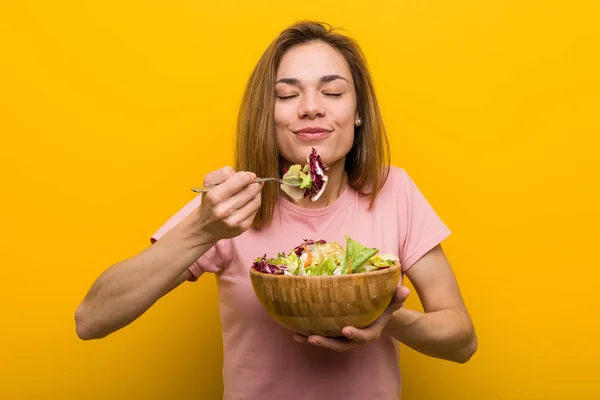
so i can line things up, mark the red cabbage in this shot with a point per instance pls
(314, 161)
(263, 265)
(307, 242)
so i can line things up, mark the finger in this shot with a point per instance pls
(373, 331)
(242, 198)
(400, 297)
(247, 212)
(248, 221)
(397, 303)
(300, 338)
(360, 336)
(230, 188)
(322, 341)
(218, 176)
(335, 344)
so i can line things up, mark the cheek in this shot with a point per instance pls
(345, 118)
(344, 110)
(283, 115)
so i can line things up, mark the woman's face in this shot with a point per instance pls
(315, 104)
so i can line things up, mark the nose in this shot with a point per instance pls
(311, 106)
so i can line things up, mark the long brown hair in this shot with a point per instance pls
(367, 163)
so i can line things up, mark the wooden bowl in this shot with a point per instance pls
(323, 305)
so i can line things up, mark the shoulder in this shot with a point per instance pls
(395, 182)
(399, 189)
(397, 174)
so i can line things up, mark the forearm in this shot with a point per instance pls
(127, 289)
(445, 334)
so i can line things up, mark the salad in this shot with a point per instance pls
(309, 181)
(319, 258)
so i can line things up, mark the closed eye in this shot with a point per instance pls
(295, 95)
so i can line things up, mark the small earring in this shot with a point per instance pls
(358, 122)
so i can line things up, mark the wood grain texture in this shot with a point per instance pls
(323, 305)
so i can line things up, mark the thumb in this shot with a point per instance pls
(399, 298)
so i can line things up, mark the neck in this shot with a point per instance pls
(336, 184)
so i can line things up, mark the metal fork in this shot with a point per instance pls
(208, 187)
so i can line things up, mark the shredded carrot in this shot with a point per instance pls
(309, 258)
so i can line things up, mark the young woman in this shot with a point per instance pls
(310, 90)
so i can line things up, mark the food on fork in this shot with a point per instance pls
(311, 178)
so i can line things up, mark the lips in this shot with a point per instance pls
(313, 133)
(314, 130)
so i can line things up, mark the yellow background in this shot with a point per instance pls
(111, 110)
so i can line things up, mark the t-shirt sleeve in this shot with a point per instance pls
(214, 260)
(421, 229)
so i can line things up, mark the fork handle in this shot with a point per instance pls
(207, 187)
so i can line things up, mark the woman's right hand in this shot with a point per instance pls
(229, 208)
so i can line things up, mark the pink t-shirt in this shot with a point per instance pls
(261, 359)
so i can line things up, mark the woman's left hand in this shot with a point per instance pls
(355, 337)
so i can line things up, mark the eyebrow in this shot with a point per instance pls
(324, 79)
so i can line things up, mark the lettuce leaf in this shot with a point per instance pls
(325, 267)
(295, 175)
(356, 254)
